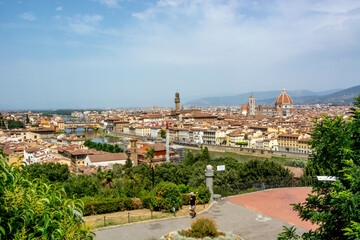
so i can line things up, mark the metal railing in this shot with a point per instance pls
(263, 184)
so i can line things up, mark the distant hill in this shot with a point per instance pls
(335, 96)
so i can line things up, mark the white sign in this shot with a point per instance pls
(327, 178)
(220, 168)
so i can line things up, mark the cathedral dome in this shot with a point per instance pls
(244, 106)
(283, 98)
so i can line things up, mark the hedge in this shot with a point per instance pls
(116, 205)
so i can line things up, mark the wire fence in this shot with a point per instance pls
(263, 184)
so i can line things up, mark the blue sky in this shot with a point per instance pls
(111, 53)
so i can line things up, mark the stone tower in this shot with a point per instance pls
(177, 102)
(251, 105)
(133, 151)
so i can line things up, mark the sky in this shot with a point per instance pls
(131, 53)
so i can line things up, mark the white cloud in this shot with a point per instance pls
(28, 16)
(59, 8)
(84, 24)
(109, 3)
(243, 32)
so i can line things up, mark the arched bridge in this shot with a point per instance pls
(86, 126)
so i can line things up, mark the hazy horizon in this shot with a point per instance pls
(89, 54)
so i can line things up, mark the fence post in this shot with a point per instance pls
(128, 217)
(151, 213)
(104, 221)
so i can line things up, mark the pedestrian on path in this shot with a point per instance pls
(192, 204)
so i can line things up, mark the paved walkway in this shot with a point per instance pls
(276, 203)
(231, 217)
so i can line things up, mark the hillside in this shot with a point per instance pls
(268, 97)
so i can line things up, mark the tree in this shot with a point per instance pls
(165, 195)
(12, 124)
(33, 209)
(205, 155)
(329, 140)
(163, 133)
(54, 172)
(128, 163)
(27, 121)
(334, 206)
(189, 159)
(150, 155)
(242, 144)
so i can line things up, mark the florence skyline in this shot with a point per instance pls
(108, 53)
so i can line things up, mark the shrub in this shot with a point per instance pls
(32, 209)
(165, 196)
(185, 199)
(201, 228)
(202, 194)
(146, 201)
(184, 188)
(115, 205)
(137, 203)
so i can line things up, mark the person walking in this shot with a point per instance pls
(192, 205)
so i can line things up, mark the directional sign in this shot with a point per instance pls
(220, 168)
(327, 178)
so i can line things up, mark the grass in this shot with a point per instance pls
(287, 158)
(118, 218)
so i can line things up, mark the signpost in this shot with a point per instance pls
(220, 169)
(327, 178)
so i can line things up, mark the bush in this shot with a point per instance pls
(201, 228)
(146, 201)
(185, 199)
(165, 196)
(137, 203)
(184, 188)
(99, 207)
(202, 194)
(33, 209)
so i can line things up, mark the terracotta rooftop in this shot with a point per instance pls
(108, 157)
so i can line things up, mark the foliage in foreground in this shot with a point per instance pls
(334, 206)
(32, 209)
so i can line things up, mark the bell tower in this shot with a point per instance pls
(177, 102)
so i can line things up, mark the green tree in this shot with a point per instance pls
(27, 120)
(242, 144)
(330, 139)
(77, 186)
(150, 155)
(163, 133)
(189, 158)
(54, 172)
(128, 163)
(32, 209)
(12, 124)
(205, 155)
(165, 195)
(334, 206)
